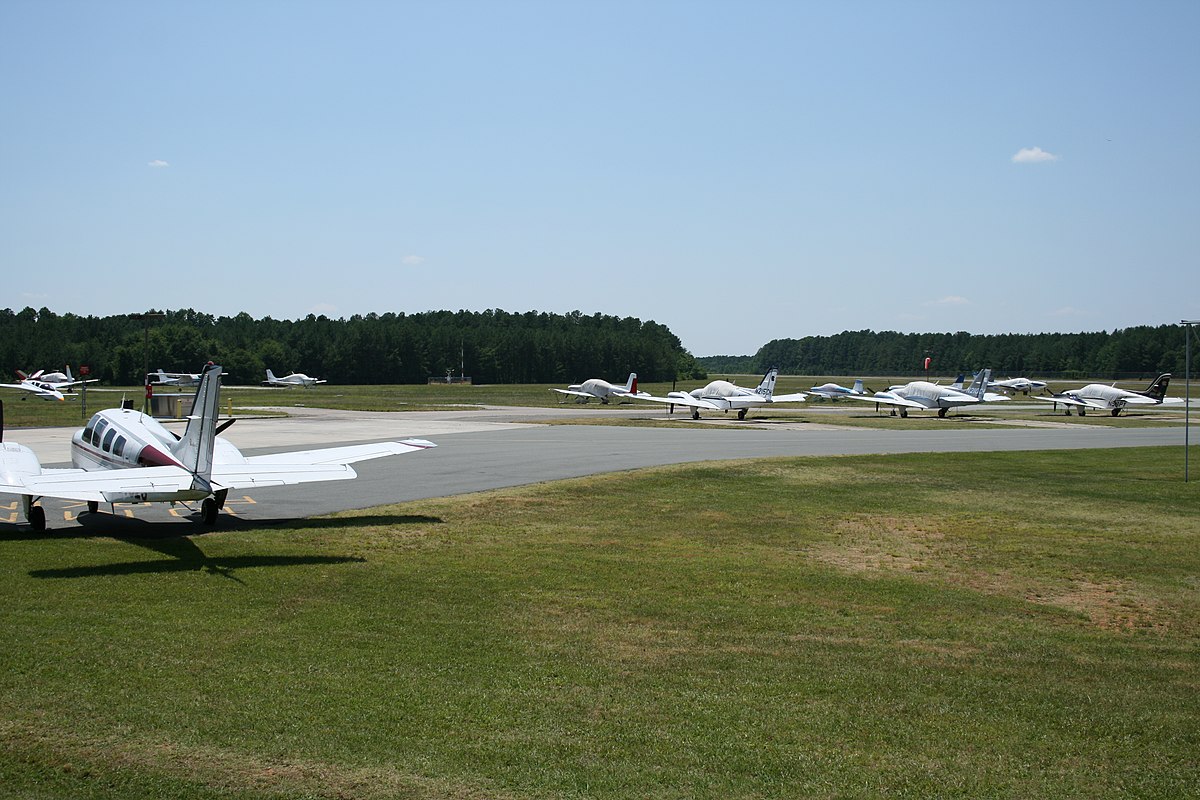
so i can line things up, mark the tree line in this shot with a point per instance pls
(1139, 351)
(491, 346)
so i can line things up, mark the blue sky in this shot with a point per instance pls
(737, 171)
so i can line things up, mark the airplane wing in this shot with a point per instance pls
(574, 394)
(331, 456)
(102, 486)
(890, 399)
(682, 399)
(794, 397)
(37, 391)
(1072, 401)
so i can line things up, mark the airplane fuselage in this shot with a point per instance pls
(117, 438)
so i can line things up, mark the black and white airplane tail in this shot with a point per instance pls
(195, 449)
(767, 387)
(1158, 389)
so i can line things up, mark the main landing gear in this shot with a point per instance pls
(741, 413)
(37, 518)
(942, 412)
(695, 413)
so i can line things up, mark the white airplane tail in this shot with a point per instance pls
(70, 377)
(195, 449)
(767, 387)
(858, 386)
(978, 387)
(631, 384)
(271, 376)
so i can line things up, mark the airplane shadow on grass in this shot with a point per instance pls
(176, 540)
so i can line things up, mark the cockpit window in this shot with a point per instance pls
(119, 446)
(108, 439)
(96, 434)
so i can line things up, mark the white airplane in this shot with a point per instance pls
(46, 385)
(834, 391)
(123, 456)
(597, 388)
(926, 396)
(1099, 397)
(724, 396)
(161, 378)
(295, 379)
(1024, 385)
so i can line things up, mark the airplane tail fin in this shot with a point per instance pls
(70, 377)
(1158, 389)
(858, 386)
(980, 383)
(958, 382)
(195, 449)
(21, 375)
(631, 384)
(271, 376)
(767, 387)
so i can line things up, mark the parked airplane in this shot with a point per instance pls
(926, 396)
(724, 396)
(833, 391)
(1024, 385)
(597, 388)
(295, 379)
(46, 385)
(1099, 397)
(123, 456)
(161, 378)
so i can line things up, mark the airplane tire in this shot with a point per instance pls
(37, 518)
(1116, 411)
(1082, 411)
(741, 413)
(93, 506)
(695, 413)
(942, 413)
(904, 413)
(208, 511)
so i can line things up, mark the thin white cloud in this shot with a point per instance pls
(1033, 155)
(158, 163)
(413, 261)
(950, 300)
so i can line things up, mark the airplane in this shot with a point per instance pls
(724, 396)
(1024, 385)
(295, 379)
(124, 456)
(173, 378)
(47, 385)
(833, 391)
(1099, 397)
(926, 396)
(597, 388)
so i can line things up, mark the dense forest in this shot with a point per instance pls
(489, 347)
(1142, 351)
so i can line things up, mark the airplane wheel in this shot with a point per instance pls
(942, 413)
(741, 413)
(37, 518)
(695, 413)
(1116, 411)
(93, 506)
(904, 413)
(1081, 411)
(208, 511)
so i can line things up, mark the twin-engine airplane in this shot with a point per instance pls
(46, 385)
(1098, 397)
(724, 396)
(926, 396)
(597, 388)
(295, 379)
(835, 391)
(123, 456)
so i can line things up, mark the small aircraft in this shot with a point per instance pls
(926, 396)
(123, 456)
(597, 388)
(47, 385)
(161, 378)
(1099, 397)
(724, 396)
(834, 391)
(1023, 385)
(295, 379)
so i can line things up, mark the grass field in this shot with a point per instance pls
(960, 625)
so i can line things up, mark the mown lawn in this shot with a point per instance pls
(970, 625)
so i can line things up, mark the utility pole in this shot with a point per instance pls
(1187, 391)
(145, 318)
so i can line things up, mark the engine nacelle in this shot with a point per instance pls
(17, 461)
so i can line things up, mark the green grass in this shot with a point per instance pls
(970, 625)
